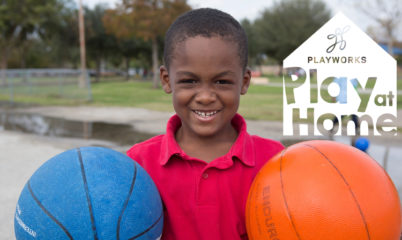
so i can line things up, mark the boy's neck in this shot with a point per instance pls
(206, 148)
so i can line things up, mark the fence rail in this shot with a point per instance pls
(56, 83)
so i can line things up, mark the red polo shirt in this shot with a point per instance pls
(204, 200)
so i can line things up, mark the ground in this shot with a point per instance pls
(22, 153)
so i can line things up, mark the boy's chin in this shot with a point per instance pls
(204, 131)
(208, 132)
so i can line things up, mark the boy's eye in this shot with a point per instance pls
(223, 82)
(188, 81)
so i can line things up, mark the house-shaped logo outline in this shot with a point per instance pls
(358, 57)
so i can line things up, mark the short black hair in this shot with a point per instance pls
(205, 22)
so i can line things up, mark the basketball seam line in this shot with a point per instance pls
(84, 178)
(126, 201)
(148, 229)
(350, 189)
(284, 197)
(47, 212)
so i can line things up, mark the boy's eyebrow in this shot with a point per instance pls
(222, 74)
(186, 73)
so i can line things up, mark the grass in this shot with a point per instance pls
(274, 78)
(42, 89)
(279, 79)
(131, 94)
(260, 103)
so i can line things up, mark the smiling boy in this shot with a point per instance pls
(205, 163)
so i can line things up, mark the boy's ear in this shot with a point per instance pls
(246, 81)
(164, 76)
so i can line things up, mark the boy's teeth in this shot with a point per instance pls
(205, 114)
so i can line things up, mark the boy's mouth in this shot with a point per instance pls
(206, 114)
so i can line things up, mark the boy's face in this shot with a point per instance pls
(206, 80)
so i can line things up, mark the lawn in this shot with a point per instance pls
(279, 79)
(260, 103)
(41, 90)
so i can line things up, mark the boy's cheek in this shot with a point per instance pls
(180, 97)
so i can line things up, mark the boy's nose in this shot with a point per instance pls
(205, 96)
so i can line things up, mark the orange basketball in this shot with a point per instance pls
(323, 190)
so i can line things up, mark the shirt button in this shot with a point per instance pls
(205, 175)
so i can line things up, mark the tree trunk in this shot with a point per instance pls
(127, 60)
(390, 37)
(155, 77)
(281, 70)
(98, 69)
(4, 58)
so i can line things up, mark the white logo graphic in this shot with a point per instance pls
(339, 73)
(22, 224)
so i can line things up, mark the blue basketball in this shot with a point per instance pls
(362, 143)
(89, 193)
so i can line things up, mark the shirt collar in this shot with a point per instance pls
(242, 149)
(169, 145)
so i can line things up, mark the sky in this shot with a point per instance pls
(252, 9)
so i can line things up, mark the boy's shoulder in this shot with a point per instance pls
(151, 145)
(266, 143)
(265, 149)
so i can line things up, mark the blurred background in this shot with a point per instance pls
(85, 73)
(47, 46)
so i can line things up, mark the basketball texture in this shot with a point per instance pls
(318, 190)
(89, 193)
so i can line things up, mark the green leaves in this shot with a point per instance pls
(286, 25)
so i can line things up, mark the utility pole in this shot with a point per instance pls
(82, 78)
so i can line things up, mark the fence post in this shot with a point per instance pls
(88, 80)
(386, 158)
(60, 83)
(28, 77)
(11, 88)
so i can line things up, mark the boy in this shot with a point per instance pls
(205, 163)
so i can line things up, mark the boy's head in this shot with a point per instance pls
(205, 22)
(205, 70)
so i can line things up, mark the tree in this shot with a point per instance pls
(21, 21)
(387, 14)
(282, 28)
(133, 48)
(99, 43)
(254, 48)
(149, 20)
(64, 41)
(118, 23)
